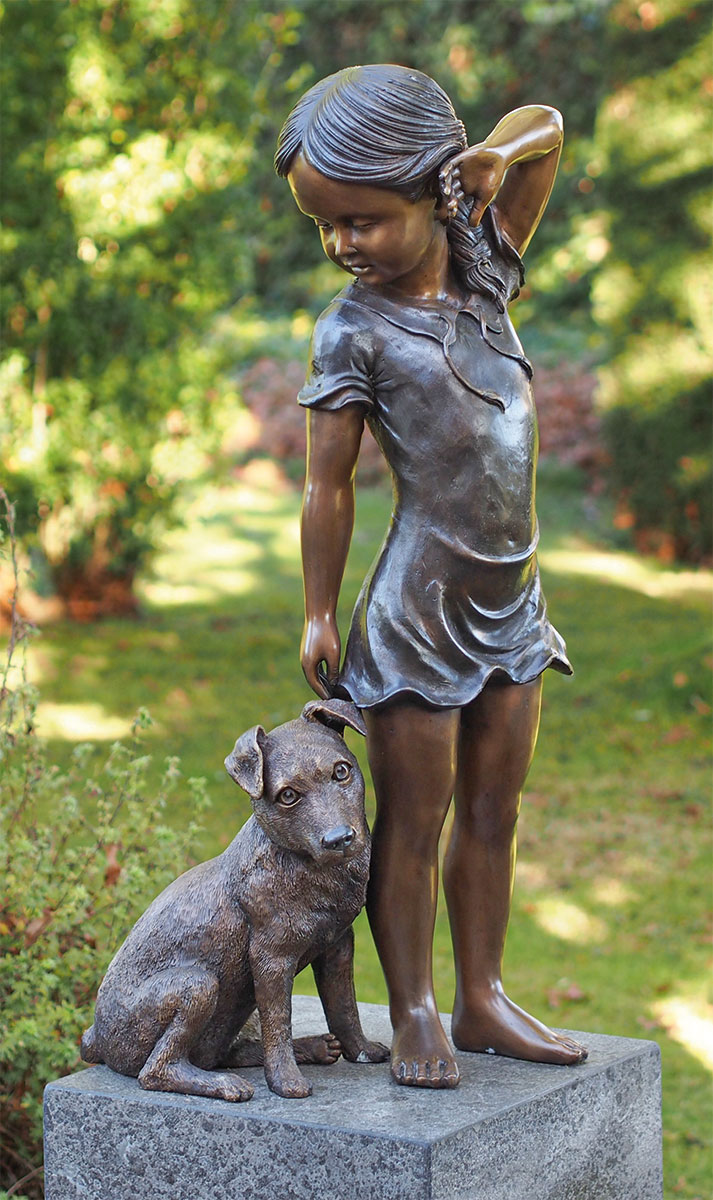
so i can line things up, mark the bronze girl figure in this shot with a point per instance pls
(450, 634)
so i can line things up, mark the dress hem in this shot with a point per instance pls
(557, 662)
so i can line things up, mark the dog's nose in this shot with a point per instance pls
(339, 838)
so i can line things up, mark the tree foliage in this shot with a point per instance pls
(653, 293)
(129, 133)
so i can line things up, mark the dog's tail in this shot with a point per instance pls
(88, 1047)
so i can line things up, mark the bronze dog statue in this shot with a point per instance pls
(230, 935)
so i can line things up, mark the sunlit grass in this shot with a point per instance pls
(627, 570)
(219, 552)
(690, 1023)
(612, 892)
(568, 921)
(87, 722)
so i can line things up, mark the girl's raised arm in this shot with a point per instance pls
(514, 169)
(333, 440)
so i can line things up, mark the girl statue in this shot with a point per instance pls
(450, 635)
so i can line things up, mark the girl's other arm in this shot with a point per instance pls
(514, 168)
(333, 440)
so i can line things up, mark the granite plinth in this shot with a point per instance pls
(511, 1131)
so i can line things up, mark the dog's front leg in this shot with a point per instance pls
(334, 975)
(273, 979)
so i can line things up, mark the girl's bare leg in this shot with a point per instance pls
(412, 755)
(497, 741)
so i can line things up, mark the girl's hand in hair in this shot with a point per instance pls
(516, 163)
(478, 172)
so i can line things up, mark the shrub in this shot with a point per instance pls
(82, 851)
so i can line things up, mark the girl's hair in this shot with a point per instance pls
(392, 127)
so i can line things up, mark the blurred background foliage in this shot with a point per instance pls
(149, 255)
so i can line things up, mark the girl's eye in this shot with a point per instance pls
(288, 796)
(341, 771)
(323, 226)
(363, 226)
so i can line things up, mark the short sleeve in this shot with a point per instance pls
(504, 258)
(340, 363)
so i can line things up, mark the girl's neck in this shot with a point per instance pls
(433, 279)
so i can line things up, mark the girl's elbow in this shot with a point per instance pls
(549, 118)
(556, 120)
(326, 496)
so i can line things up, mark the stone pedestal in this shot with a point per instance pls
(511, 1131)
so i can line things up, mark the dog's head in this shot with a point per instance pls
(305, 785)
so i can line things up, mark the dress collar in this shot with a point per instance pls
(463, 342)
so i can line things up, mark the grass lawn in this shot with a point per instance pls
(609, 930)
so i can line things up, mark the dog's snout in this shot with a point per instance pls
(339, 838)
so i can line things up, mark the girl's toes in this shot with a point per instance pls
(575, 1047)
(448, 1073)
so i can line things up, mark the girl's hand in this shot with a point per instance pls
(320, 644)
(516, 163)
(478, 172)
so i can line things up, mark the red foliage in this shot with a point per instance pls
(270, 390)
(91, 592)
(569, 424)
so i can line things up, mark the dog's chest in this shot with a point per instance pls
(304, 911)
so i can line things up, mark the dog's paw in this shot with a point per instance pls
(183, 1077)
(290, 1084)
(323, 1049)
(369, 1052)
(232, 1087)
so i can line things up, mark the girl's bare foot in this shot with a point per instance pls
(421, 1055)
(490, 1023)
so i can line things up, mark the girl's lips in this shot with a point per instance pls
(357, 268)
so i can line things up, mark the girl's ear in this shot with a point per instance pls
(440, 201)
(441, 209)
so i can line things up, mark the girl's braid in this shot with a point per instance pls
(471, 255)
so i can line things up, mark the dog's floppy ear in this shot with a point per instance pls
(244, 763)
(335, 714)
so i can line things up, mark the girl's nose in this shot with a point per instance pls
(343, 243)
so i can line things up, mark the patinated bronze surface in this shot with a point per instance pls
(228, 937)
(450, 635)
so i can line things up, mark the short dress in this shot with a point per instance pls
(453, 598)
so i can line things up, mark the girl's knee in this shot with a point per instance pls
(407, 837)
(490, 818)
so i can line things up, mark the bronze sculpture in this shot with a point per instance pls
(230, 934)
(450, 634)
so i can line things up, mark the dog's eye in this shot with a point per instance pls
(341, 771)
(288, 796)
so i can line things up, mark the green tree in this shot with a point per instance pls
(653, 293)
(128, 221)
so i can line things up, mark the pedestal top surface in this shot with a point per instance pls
(364, 1099)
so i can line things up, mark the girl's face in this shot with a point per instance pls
(376, 234)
